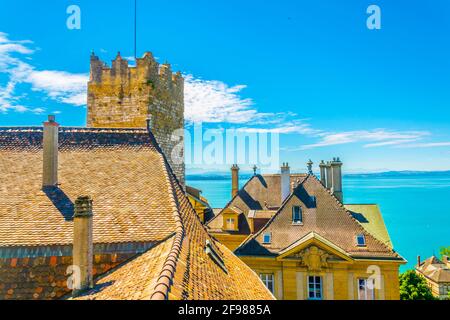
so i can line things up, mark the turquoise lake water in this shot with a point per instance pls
(416, 208)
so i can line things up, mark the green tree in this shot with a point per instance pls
(414, 287)
(445, 251)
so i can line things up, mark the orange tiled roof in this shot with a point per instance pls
(136, 199)
(324, 216)
(119, 168)
(261, 192)
(435, 269)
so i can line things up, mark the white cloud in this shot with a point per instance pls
(61, 86)
(214, 101)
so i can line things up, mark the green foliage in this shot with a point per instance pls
(445, 251)
(414, 287)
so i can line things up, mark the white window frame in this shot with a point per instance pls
(269, 235)
(364, 290)
(363, 237)
(269, 281)
(314, 283)
(300, 215)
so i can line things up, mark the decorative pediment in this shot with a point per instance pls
(314, 252)
(313, 258)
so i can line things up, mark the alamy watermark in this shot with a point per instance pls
(73, 22)
(220, 146)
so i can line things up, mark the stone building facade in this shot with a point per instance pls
(126, 96)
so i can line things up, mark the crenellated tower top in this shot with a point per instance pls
(147, 70)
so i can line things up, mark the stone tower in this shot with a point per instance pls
(124, 96)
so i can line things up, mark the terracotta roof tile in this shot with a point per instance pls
(435, 269)
(261, 192)
(136, 198)
(323, 215)
(120, 169)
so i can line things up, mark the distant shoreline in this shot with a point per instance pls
(387, 174)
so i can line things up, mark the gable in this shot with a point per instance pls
(311, 247)
(324, 215)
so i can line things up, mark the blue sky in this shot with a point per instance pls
(310, 70)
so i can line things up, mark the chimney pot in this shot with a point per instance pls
(50, 152)
(285, 181)
(83, 247)
(336, 179)
(323, 177)
(234, 180)
(309, 164)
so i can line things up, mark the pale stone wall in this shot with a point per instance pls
(124, 96)
(339, 278)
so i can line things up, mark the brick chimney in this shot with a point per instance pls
(323, 175)
(336, 184)
(50, 147)
(285, 181)
(418, 261)
(83, 243)
(234, 180)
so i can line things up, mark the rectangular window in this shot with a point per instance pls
(297, 214)
(315, 287)
(366, 289)
(267, 237)
(267, 279)
(230, 224)
(361, 240)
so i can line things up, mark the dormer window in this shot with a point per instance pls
(214, 255)
(361, 240)
(231, 224)
(297, 217)
(267, 238)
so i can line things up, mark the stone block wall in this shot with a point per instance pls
(124, 96)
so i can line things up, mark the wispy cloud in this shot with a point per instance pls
(380, 137)
(368, 138)
(426, 145)
(295, 126)
(61, 86)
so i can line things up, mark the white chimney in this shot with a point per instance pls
(323, 177)
(285, 181)
(50, 149)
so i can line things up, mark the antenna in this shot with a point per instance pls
(135, 29)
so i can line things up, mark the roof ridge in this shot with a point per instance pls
(75, 128)
(165, 279)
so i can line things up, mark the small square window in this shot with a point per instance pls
(361, 240)
(267, 237)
